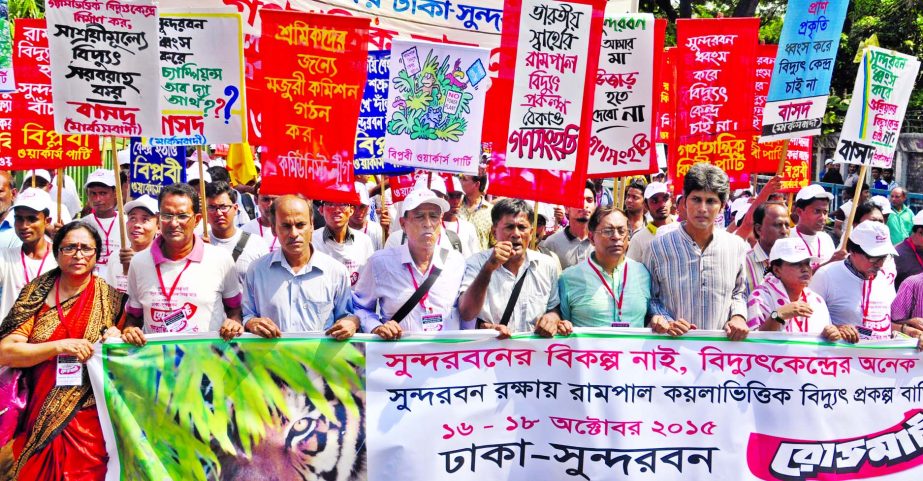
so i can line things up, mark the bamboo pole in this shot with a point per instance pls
(534, 242)
(59, 179)
(855, 204)
(118, 197)
(33, 178)
(202, 194)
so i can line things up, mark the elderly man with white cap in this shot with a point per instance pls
(142, 225)
(412, 287)
(784, 302)
(658, 201)
(854, 292)
(21, 264)
(812, 206)
(448, 238)
(100, 189)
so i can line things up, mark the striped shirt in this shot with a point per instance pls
(909, 301)
(757, 262)
(705, 287)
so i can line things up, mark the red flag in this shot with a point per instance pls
(665, 115)
(797, 172)
(312, 78)
(715, 81)
(35, 144)
(552, 186)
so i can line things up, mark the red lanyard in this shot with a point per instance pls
(618, 302)
(807, 246)
(274, 238)
(417, 286)
(163, 288)
(25, 270)
(866, 297)
(457, 226)
(106, 232)
(914, 250)
(75, 310)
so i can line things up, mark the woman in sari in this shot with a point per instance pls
(49, 333)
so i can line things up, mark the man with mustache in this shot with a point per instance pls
(100, 190)
(21, 264)
(181, 284)
(413, 286)
(572, 244)
(658, 201)
(296, 288)
(511, 288)
(337, 239)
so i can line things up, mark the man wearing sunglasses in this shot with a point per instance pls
(181, 284)
(337, 239)
(854, 291)
(221, 203)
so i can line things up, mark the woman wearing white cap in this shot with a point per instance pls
(855, 292)
(783, 302)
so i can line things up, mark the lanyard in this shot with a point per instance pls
(75, 310)
(106, 232)
(803, 323)
(457, 225)
(618, 302)
(274, 238)
(163, 288)
(25, 270)
(866, 297)
(914, 250)
(413, 277)
(809, 247)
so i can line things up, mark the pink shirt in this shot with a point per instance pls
(770, 296)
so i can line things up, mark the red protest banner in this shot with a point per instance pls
(665, 114)
(312, 78)
(557, 186)
(35, 144)
(766, 155)
(797, 172)
(715, 81)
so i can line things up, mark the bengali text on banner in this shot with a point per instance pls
(155, 166)
(370, 133)
(312, 79)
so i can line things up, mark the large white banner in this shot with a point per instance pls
(202, 94)
(623, 104)
(603, 405)
(879, 99)
(104, 67)
(436, 105)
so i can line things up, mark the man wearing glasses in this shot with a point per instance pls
(348, 246)
(181, 284)
(244, 247)
(854, 292)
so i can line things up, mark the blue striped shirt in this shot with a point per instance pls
(705, 287)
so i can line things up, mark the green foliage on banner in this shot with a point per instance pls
(178, 408)
(27, 8)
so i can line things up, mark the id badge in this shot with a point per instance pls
(432, 323)
(620, 324)
(176, 321)
(70, 371)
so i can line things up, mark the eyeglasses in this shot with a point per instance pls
(610, 232)
(875, 260)
(72, 250)
(182, 218)
(222, 208)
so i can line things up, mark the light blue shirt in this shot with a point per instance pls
(586, 302)
(8, 237)
(308, 301)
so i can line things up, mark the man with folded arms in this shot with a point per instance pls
(511, 288)
(296, 288)
(414, 286)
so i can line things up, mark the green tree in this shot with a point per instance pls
(27, 8)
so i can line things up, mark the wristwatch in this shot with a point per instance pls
(774, 315)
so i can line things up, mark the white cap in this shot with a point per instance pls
(418, 197)
(454, 185)
(918, 218)
(883, 203)
(101, 176)
(739, 208)
(874, 238)
(124, 157)
(192, 173)
(828, 161)
(791, 250)
(546, 211)
(39, 173)
(217, 163)
(655, 188)
(35, 199)
(813, 191)
(145, 202)
(436, 185)
(363, 192)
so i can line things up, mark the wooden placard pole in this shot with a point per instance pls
(855, 204)
(59, 180)
(118, 197)
(781, 169)
(202, 208)
(534, 242)
(33, 178)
